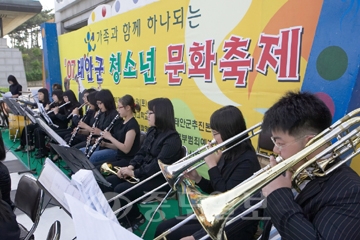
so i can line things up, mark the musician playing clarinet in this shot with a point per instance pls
(162, 142)
(106, 104)
(127, 140)
(226, 170)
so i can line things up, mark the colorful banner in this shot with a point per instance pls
(204, 54)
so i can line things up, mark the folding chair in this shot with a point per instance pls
(29, 198)
(54, 231)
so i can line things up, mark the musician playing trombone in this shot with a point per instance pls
(162, 142)
(225, 172)
(327, 207)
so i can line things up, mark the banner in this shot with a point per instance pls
(205, 54)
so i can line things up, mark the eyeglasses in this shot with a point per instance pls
(149, 113)
(282, 145)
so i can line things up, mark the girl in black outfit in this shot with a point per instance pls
(43, 96)
(162, 142)
(225, 171)
(15, 88)
(85, 123)
(127, 140)
(106, 103)
(57, 96)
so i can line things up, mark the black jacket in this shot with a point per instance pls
(158, 145)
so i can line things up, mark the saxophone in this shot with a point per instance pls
(99, 139)
(78, 127)
(88, 141)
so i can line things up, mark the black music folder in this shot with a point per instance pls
(77, 160)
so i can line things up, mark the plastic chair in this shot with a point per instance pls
(29, 198)
(54, 231)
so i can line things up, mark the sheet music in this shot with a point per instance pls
(57, 183)
(90, 224)
(85, 181)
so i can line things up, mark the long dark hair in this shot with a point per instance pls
(72, 99)
(106, 97)
(128, 100)
(229, 121)
(92, 100)
(164, 113)
(46, 95)
(13, 79)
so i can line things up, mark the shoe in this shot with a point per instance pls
(137, 222)
(40, 155)
(19, 148)
(30, 149)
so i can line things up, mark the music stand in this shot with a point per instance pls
(45, 115)
(18, 110)
(77, 160)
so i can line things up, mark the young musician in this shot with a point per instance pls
(43, 96)
(56, 86)
(127, 140)
(84, 123)
(327, 207)
(57, 96)
(15, 88)
(5, 180)
(161, 142)
(106, 104)
(226, 171)
(9, 228)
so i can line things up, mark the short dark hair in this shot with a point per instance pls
(59, 93)
(90, 90)
(164, 113)
(297, 113)
(46, 94)
(106, 97)
(92, 100)
(229, 121)
(128, 100)
(2, 149)
(13, 79)
(56, 86)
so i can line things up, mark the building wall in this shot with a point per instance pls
(11, 62)
(73, 14)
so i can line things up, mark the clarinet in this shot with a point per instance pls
(99, 139)
(78, 127)
(88, 141)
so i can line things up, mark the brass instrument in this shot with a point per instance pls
(108, 168)
(88, 141)
(59, 107)
(213, 211)
(99, 139)
(71, 114)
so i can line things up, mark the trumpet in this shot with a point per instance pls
(59, 107)
(108, 168)
(212, 212)
(71, 114)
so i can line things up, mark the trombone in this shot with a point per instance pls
(212, 212)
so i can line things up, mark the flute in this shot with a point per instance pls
(71, 114)
(59, 107)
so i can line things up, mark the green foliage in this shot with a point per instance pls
(25, 38)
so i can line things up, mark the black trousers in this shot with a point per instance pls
(120, 185)
(30, 131)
